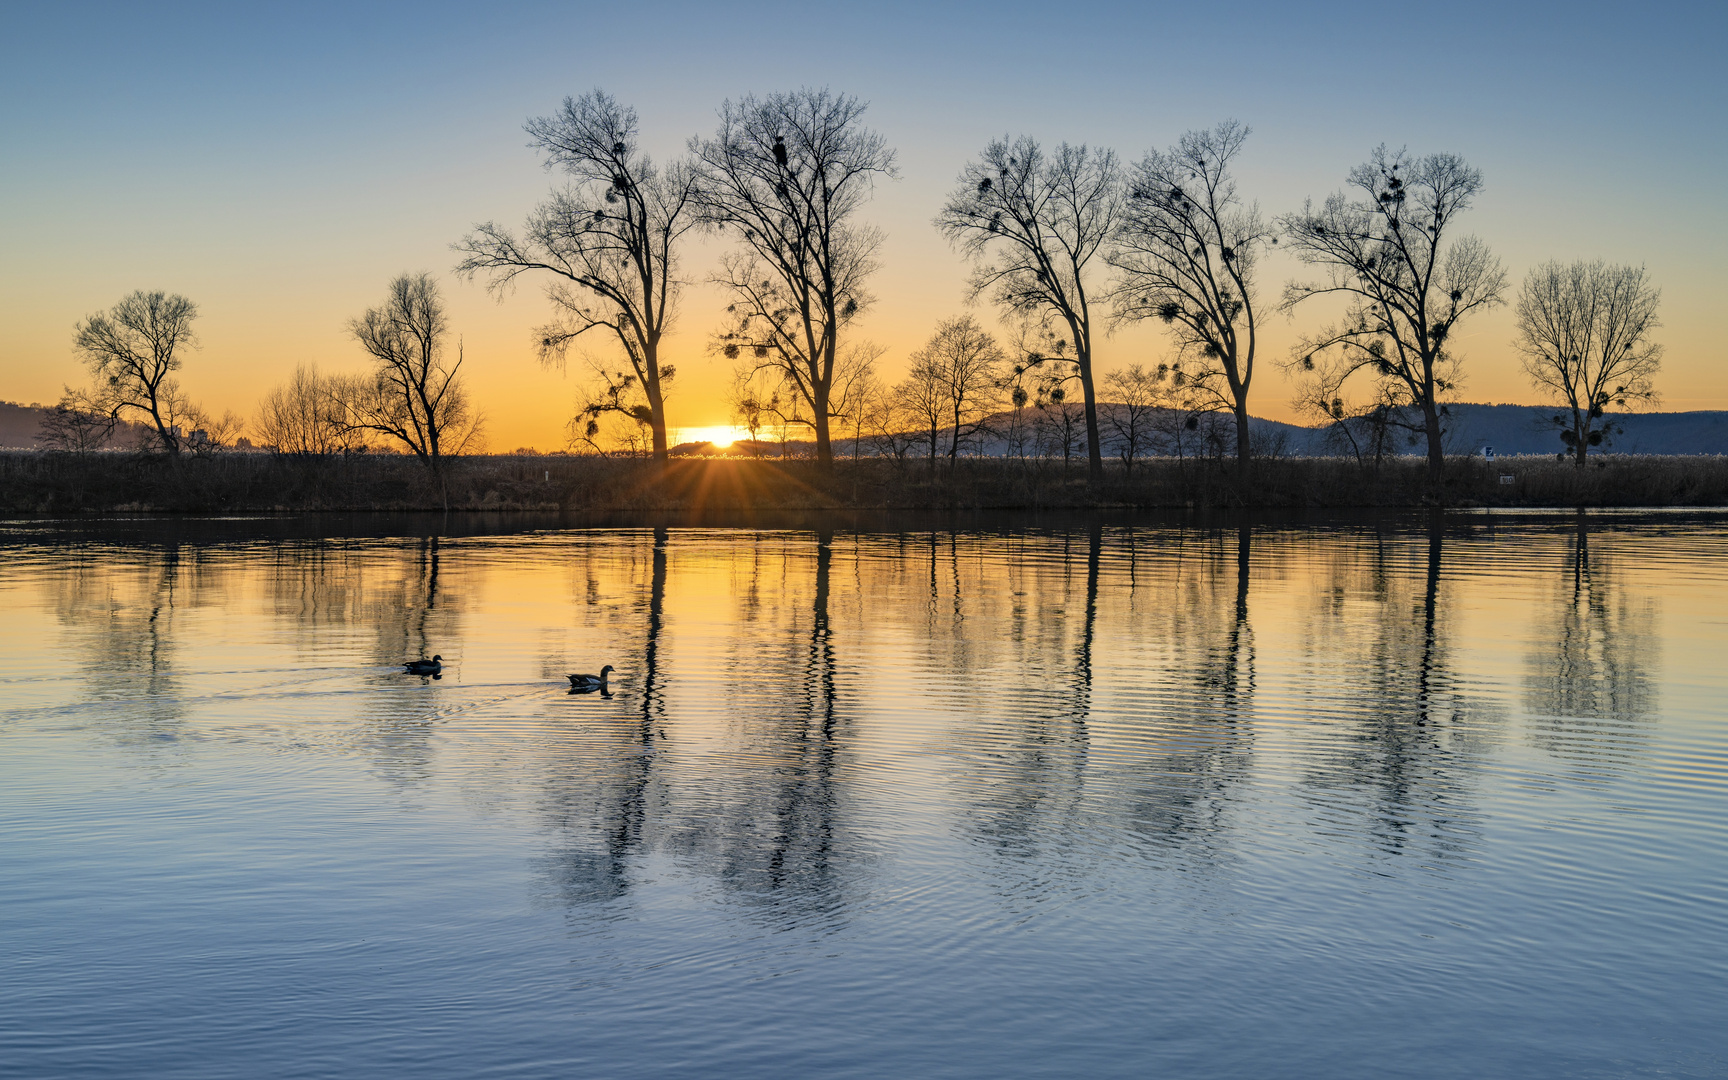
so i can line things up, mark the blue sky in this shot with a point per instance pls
(280, 164)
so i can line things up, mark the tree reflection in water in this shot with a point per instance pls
(758, 818)
(392, 596)
(1198, 732)
(1588, 683)
(121, 606)
(1013, 712)
(413, 617)
(601, 804)
(1401, 732)
(1001, 665)
(1052, 698)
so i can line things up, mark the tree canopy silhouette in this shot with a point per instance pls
(132, 351)
(1185, 254)
(1584, 332)
(609, 242)
(414, 394)
(787, 175)
(1386, 246)
(1032, 222)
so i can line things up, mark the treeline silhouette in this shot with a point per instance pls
(1065, 241)
(262, 482)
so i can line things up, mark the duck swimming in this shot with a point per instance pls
(425, 667)
(590, 682)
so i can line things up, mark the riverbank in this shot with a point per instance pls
(227, 482)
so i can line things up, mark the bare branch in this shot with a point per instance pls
(1386, 250)
(787, 175)
(1032, 223)
(608, 242)
(1584, 334)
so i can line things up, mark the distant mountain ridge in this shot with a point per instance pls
(1526, 429)
(1509, 429)
(20, 427)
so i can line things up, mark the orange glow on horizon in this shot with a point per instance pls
(722, 435)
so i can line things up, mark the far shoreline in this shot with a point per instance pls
(35, 484)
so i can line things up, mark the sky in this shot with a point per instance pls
(279, 164)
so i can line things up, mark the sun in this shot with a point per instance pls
(723, 435)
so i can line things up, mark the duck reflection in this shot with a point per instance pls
(1587, 682)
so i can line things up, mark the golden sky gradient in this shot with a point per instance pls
(280, 168)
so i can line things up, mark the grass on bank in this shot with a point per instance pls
(37, 482)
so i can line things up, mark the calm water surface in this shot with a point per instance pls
(1408, 797)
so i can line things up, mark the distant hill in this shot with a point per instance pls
(1525, 429)
(1509, 429)
(20, 425)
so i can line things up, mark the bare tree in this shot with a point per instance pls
(855, 385)
(1369, 430)
(210, 432)
(1019, 431)
(618, 395)
(891, 426)
(923, 401)
(787, 175)
(748, 411)
(761, 399)
(609, 242)
(1032, 223)
(1139, 397)
(1584, 332)
(1387, 248)
(78, 424)
(1185, 253)
(965, 364)
(1060, 425)
(304, 417)
(414, 394)
(133, 350)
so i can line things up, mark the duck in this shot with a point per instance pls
(590, 682)
(425, 667)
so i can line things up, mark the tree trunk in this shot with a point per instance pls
(1436, 455)
(1094, 445)
(169, 442)
(657, 422)
(1242, 451)
(819, 424)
